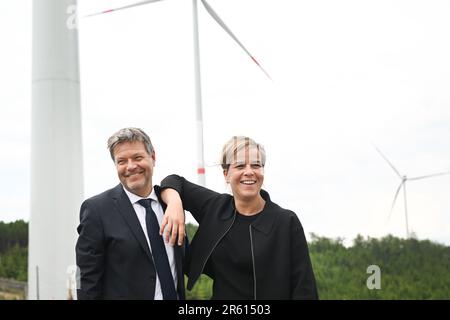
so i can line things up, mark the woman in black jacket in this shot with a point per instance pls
(251, 247)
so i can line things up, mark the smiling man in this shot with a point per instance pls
(120, 253)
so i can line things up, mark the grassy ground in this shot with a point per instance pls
(11, 295)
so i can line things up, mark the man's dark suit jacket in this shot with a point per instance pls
(112, 253)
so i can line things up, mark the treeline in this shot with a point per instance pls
(14, 250)
(409, 268)
(12, 234)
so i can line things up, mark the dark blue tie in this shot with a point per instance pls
(159, 252)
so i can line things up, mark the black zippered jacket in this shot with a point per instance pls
(281, 262)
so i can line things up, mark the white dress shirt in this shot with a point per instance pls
(140, 212)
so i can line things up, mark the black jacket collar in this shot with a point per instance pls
(266, 220)
(267, 217)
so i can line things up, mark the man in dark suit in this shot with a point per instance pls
(119, 252)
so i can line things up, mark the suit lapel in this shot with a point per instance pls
(126, 209)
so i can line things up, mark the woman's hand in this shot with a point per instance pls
(173, 223)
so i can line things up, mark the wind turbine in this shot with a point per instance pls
(198, 93)
(56, 150)
(404, 179)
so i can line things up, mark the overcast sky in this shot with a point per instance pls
(345, 74)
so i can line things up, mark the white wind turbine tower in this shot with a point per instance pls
(56, 150)
(403, 179)
(198, 93)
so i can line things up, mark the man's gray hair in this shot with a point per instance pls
(129, 135)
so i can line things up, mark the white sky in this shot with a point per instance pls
(345, 73)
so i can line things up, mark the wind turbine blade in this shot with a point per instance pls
(390, 164)
(395, 198)
(121, 8)
(216, 17)
(430, 175)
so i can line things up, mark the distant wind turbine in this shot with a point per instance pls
(198, 94)
(403, 179)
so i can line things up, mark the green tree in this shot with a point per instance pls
(14, 263)
(13, 233)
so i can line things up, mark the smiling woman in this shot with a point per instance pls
(251, 247)
(243, 163)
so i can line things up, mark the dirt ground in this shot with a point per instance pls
(11, 295)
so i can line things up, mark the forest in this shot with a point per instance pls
(409, 268)
(14, 250)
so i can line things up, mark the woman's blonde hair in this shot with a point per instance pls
(238, 144)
